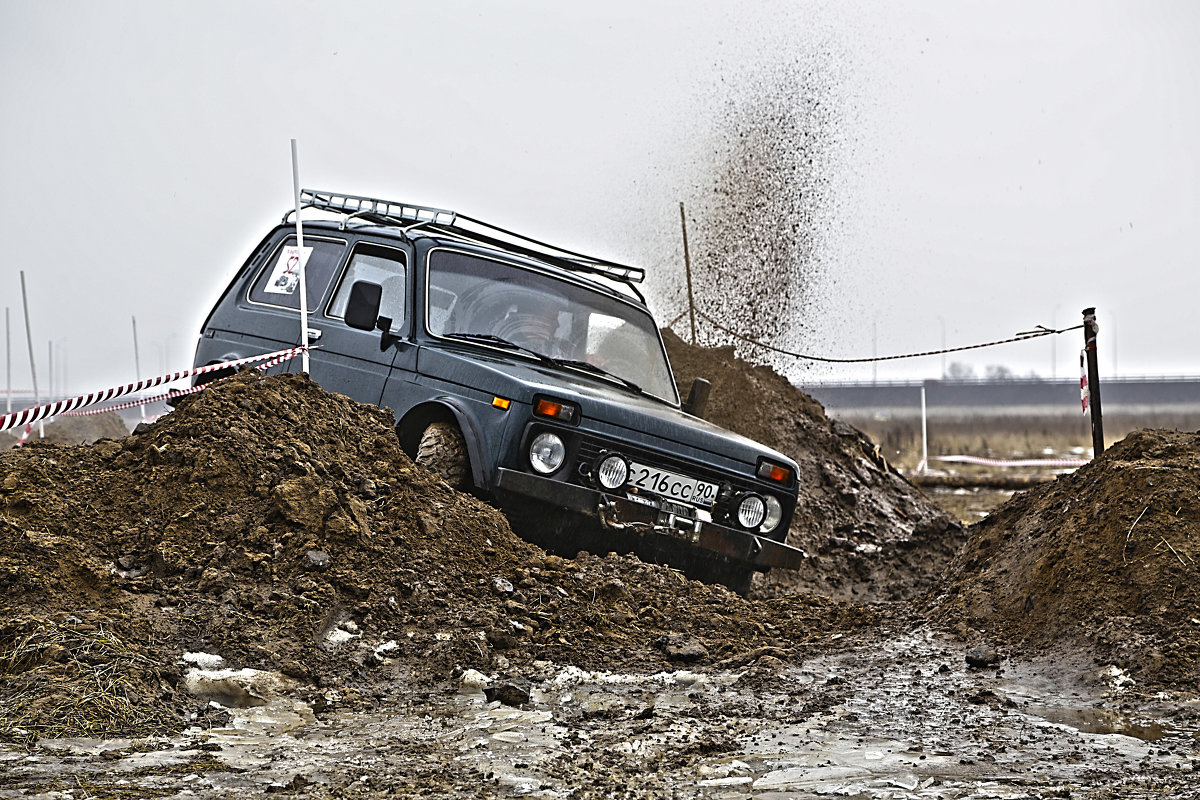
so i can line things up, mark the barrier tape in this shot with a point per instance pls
(31, 415)
(289, 354)
(25, 435)
(135, 403)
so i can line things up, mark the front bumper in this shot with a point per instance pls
(618, 513)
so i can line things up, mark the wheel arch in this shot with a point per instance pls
(446, 409)
(217, 374)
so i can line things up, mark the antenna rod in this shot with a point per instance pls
(300, 249)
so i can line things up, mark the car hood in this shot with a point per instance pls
(604, 401)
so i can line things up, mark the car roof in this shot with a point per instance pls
(408, 222)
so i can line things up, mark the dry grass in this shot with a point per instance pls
(63, 680)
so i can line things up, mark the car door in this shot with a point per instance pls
(357, 363)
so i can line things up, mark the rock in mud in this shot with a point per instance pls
(982, 655)
(680, 647)
(317, 560)
(509, 693)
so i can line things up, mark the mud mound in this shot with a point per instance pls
(1106, 557)
(280, 527)
(872, 535)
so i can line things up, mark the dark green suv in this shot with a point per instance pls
(528, 374)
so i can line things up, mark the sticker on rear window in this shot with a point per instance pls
(285, 277)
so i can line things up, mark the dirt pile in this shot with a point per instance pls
(872, 535)
(1106, 557)
(282, 528)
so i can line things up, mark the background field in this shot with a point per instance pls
(998, 437)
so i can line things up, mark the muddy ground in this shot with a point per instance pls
(260, 594)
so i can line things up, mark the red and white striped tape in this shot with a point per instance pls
(87, 412)
(288, 355)
(30, 415)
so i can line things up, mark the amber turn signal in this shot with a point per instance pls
(773, 472)
(566, 412)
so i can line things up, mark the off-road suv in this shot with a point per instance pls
(529, 374)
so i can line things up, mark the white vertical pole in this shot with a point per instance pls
(924, 433)
(50, 371)
(137, 364)
(7, 362)
(37, 396)
(300, 247)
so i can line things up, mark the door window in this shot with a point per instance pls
(385, 266)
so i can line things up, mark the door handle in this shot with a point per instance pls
(314, 334)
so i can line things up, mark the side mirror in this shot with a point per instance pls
(362, 309)
(697, 401)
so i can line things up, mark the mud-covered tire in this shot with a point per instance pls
(443, 451)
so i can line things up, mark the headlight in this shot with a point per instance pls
(750, 511)
(612, 472)
(773, 516)
(546, 453)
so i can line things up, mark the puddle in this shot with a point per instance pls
(909, 720)
(1102, 721)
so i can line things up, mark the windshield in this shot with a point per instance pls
(471, 295)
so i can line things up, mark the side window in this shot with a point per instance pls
(279, 283)
(385, 266)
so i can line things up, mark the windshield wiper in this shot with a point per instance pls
(490, 338)
(588, 366)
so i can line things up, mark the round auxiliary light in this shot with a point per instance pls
(612, 472)
(751, 510)
(773, 516)
(547, 453)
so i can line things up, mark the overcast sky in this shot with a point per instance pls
(993, 166)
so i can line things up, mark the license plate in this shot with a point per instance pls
(675, 487)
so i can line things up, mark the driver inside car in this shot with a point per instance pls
(535, 325)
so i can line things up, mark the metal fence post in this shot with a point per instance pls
(687, 261)
(1090, 329)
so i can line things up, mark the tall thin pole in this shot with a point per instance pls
(50, 371)
(137, 363)
(924, 432)
(300, 248)
(7, 362)
(687, 262)
(1090, 329)
(37, 396)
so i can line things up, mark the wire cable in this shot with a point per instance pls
(1020, 337)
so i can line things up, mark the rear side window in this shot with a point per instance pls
(385, 266)
(279, 283)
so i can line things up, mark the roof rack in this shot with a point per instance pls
(391, 212)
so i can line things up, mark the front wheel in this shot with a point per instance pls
(443, 451)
